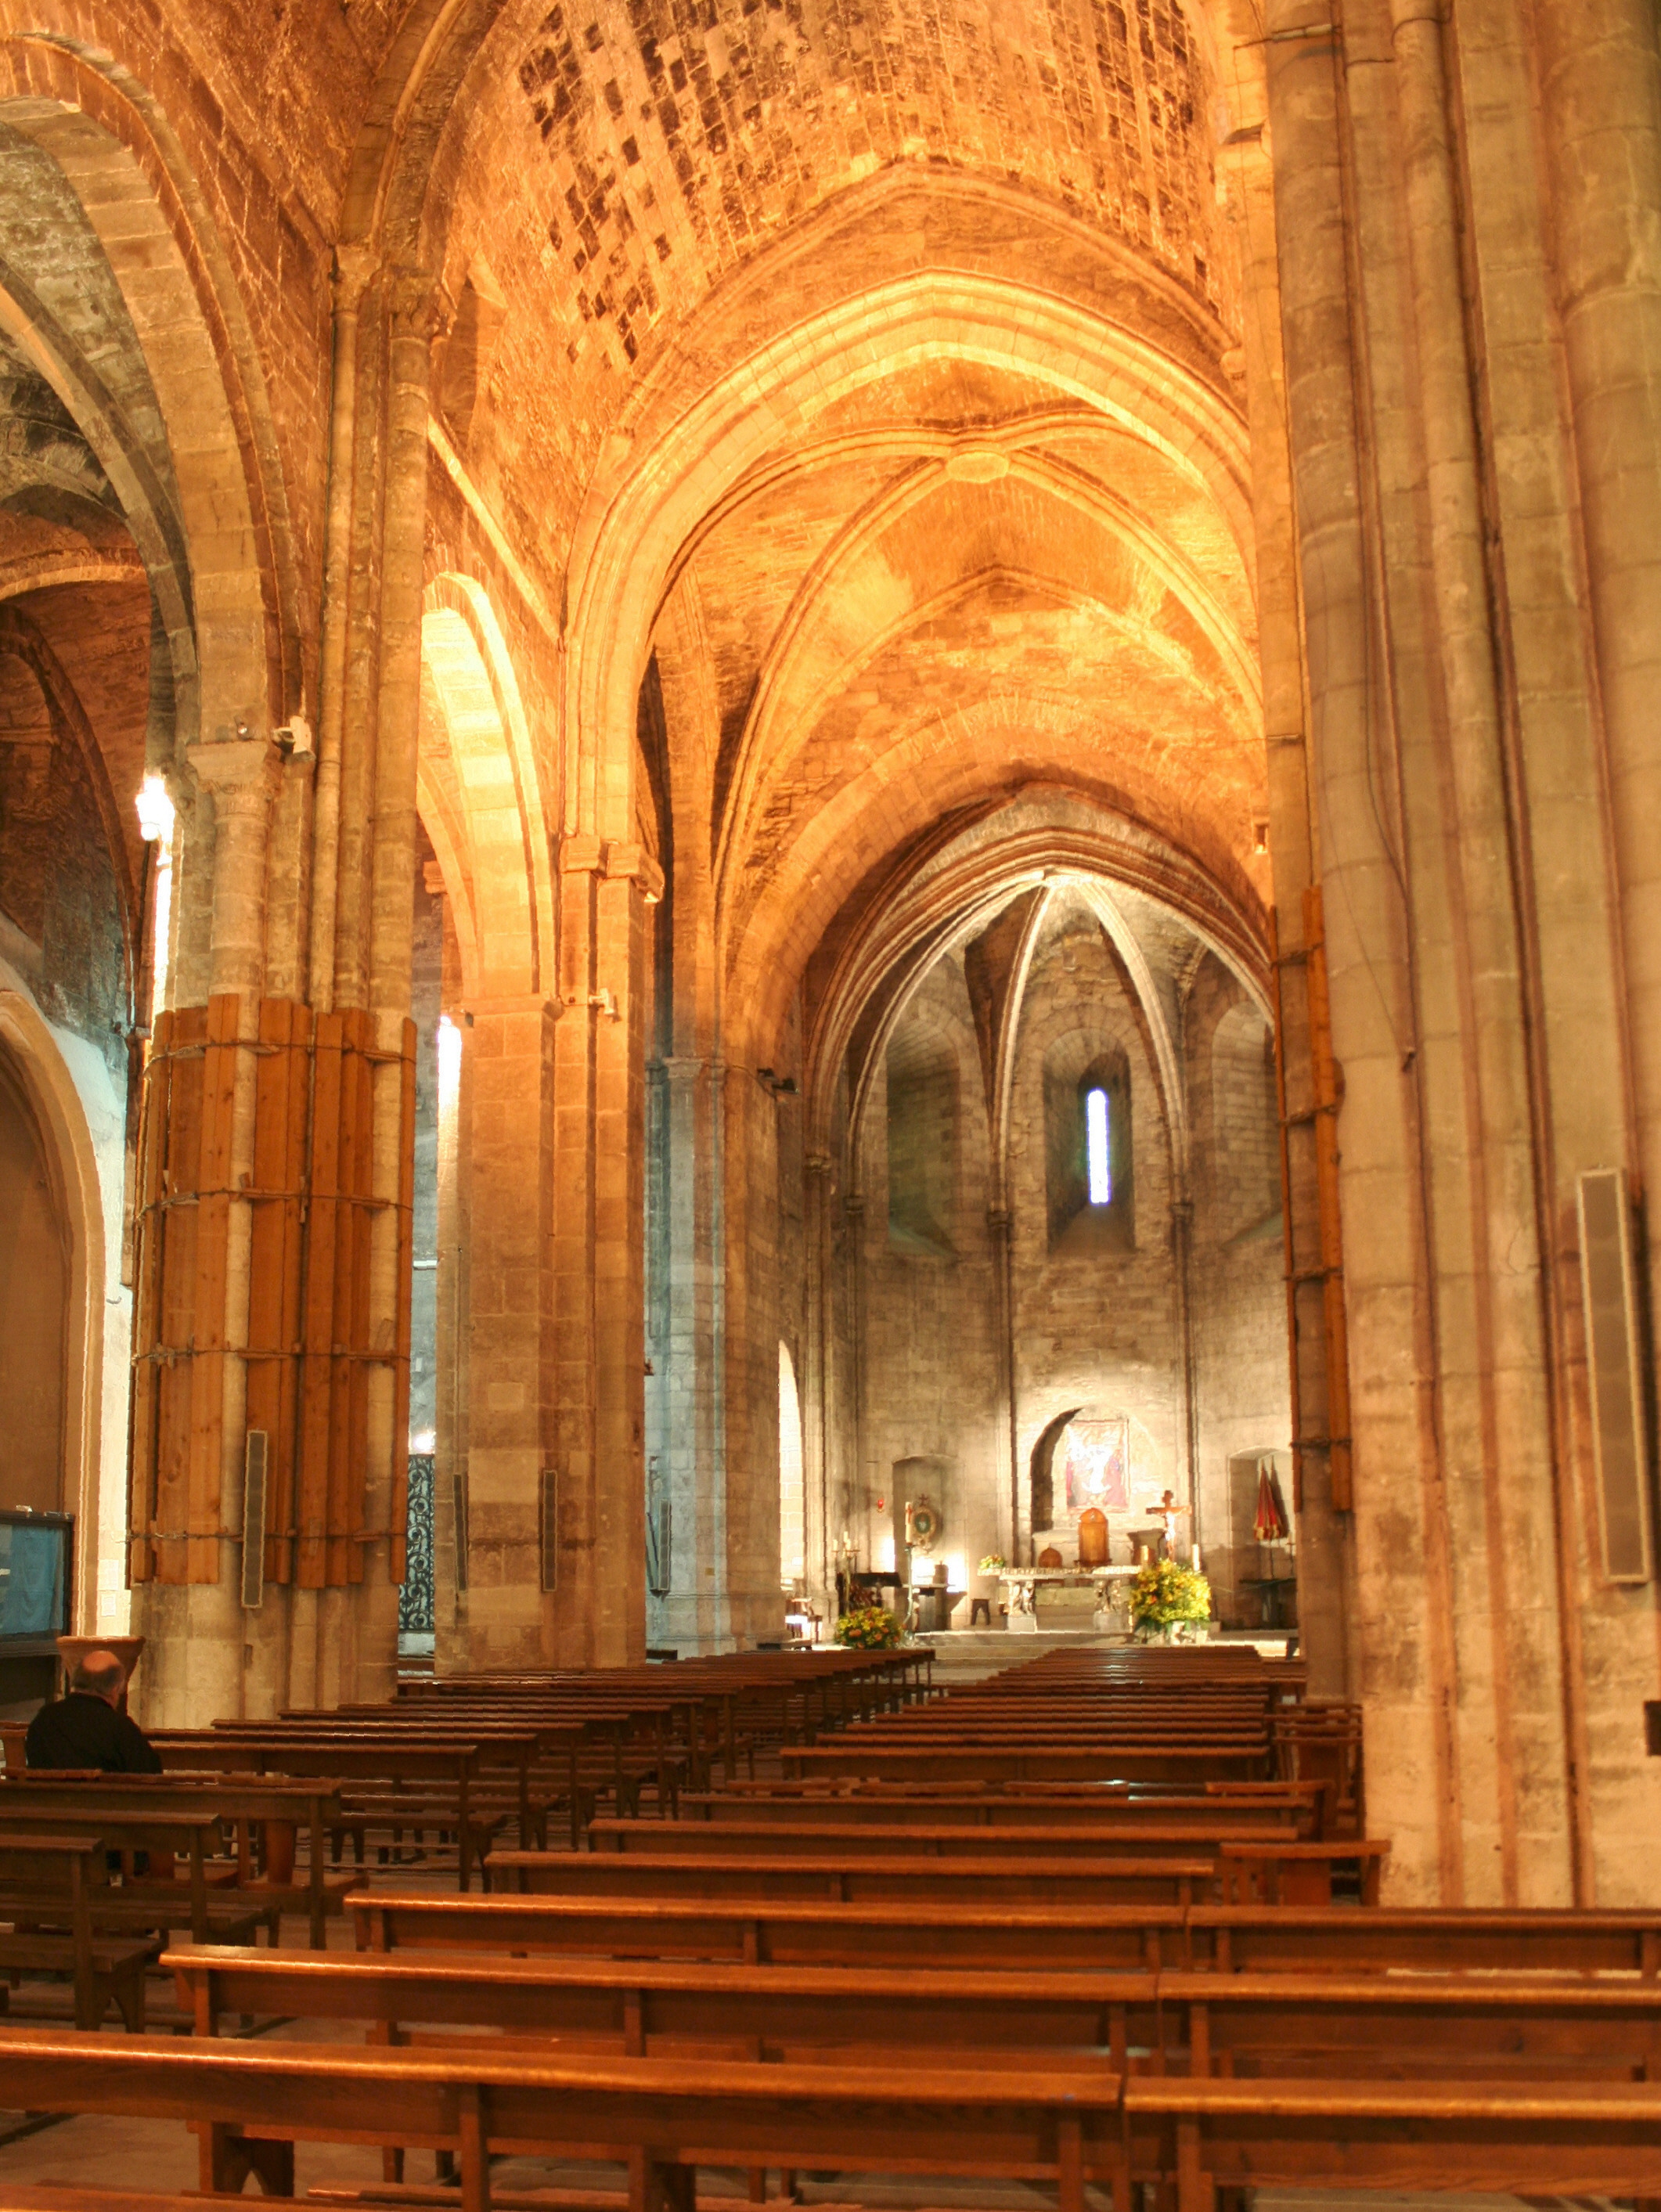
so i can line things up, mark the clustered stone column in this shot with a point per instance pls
(277, 1145)
(1441, 232)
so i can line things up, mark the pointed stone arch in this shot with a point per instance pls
(483, 806)
(217, 539)
(34, 1056)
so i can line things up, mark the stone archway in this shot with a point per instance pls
(77, 1218)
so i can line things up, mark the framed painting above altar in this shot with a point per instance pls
(1098, 1468)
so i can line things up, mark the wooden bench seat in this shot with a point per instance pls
(1524, 2139)
(207, 1901)
(1043, 1936)
(672, 2007)
(1314, 1939)
(58, 2196)
(1406, 2026)
(252, 2102)
(264, 1814)
(887, 1805)
(55, 1893)
(925, 1932)
(1011, 1878)
(1217, 1840)
(405, 1754)
(1272, 1872)
(969, 1761)
(1386, 2026)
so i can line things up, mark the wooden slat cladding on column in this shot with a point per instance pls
(341, 1342)
(312, 1340)
(334, 1381)
(401, 1329)
(281, 1085)
(1313, 1125)
(166, 1158)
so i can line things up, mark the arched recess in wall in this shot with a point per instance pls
(792, 1495)
(480, 795)
(1041, 1471)
(1075, 1068)
(42, 1093)
(922, 1102)
(1245, 1159)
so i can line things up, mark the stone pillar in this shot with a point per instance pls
(687, 1441)
(452, 1597)
(194, 1617)
(1437, 964)
(599, 1398)
(818, 1534)
(749, 1186)
(1600, 84)
(414, 306)
(1325, 1555)
(1571, 856)
(1402, 1606)
(352, 270)
(496, 1109)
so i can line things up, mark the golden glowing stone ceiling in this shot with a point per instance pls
(684, 139)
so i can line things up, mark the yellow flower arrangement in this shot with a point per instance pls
(1164, 1593)
(869, 1628)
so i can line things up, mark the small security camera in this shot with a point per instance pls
(296, 737)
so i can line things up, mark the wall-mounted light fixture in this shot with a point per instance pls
(155, 811)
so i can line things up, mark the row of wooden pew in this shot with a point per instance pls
(1079, 1980)
(252, 1820)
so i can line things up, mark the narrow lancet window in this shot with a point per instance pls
(1095, 1143)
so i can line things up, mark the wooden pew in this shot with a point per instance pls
(1527, 2139)
(1313, 1939)
(1271, 1873)
(450, 1770)
(156, 1900)
(1008, 1878)
(884, 1804)
(252, 2102)
(51, 2196)
(1278, 2024)
(1279, 1869)
(1043, 1936)
(973, 1762)
(1399, 2025)
(55, 1892)
(666, 2007)
(257, 1807)
(930, 1932)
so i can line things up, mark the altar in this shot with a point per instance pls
(1061, 1598)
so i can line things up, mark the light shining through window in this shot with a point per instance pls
(1095, 1130)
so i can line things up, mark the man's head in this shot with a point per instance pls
(100, 1675)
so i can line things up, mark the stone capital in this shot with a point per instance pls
(634, 863)
(581, 856)
(417, 305)
(239, 772)
(682, 1070)
(355, 264)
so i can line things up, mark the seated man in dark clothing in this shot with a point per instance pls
(87, 1728)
